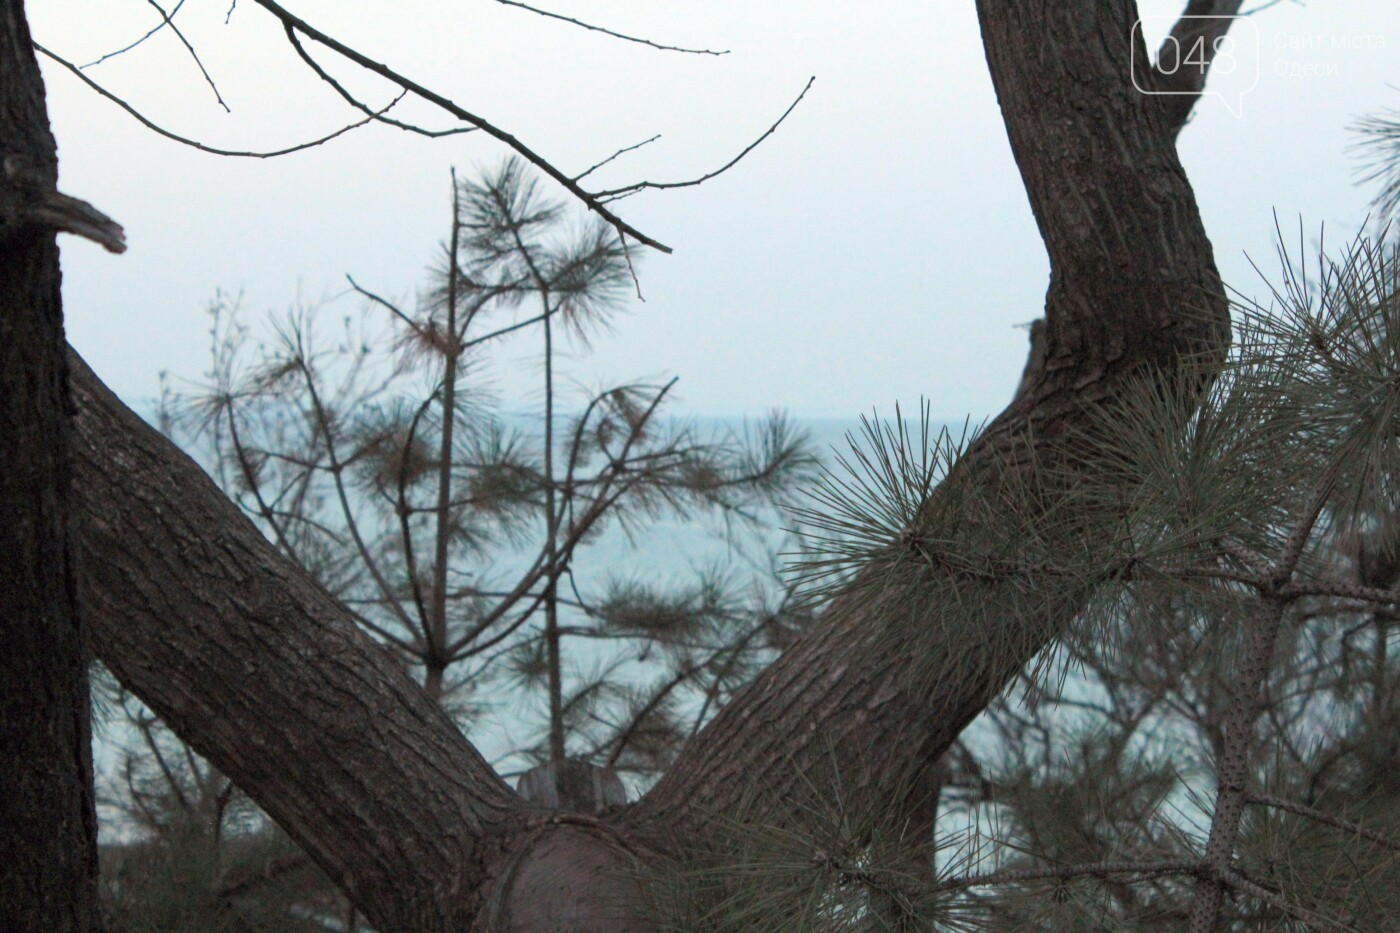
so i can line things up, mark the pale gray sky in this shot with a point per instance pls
(878, 248)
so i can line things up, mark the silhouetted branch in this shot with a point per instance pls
(609, 32)
(589, 171)
(296, 29)
(169, 20)
(127, 48)
(195, 144)
(361, 105)
(616, 193)
(591, 201)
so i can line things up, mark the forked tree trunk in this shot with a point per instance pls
(267, 676)
(48, 829)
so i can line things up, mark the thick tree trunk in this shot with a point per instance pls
(266, 675)
(896, 670)
(245, 657)
(260, 670)
(48, 828)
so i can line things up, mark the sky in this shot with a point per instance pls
(878, 248)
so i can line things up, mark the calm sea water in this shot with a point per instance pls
(664, 552)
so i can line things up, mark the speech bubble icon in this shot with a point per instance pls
(1227, 47)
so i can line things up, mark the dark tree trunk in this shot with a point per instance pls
(266, 675)
(48, 828)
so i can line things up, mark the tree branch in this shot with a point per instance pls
(1321, 816)
(267, 677)
(609, 32)
(589, 200)
(1196, 35)
(128, 47)
(195, 144)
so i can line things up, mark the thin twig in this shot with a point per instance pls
(405, 531)
(603, 501)
(208, 79)
(195, 144)
(338, 480)
(122, 51)
(591, 201)
(624, 150)
(616, 193)
(1267, 4)
(609, 32)
(361, 105)
(657, 698)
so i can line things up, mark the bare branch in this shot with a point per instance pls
(127, 48)
(638, 719)
(1267, 4)
(609, 32)
(76, 216)
(195, 144)
(169, 21)
(591, 201)
(245, 467)
(617, 193)
(294, 27)
(589, 171)
(337, 471)
(386, 304)
(361, 105)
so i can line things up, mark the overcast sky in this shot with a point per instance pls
(878, 248)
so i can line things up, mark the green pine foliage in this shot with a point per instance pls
(377, 452)
(1243, 557)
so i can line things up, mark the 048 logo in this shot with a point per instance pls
(1225, 46)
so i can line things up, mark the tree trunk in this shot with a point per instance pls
(873, 697)
(48, 827)
(267, 676)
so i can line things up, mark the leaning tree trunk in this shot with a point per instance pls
(48, 828)
(263, 673)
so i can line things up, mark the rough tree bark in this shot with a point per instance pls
(881, 688)
(264, 674)
(48, 827)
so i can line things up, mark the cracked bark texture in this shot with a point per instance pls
(266, 675)
(48, 827)
(882, 687)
